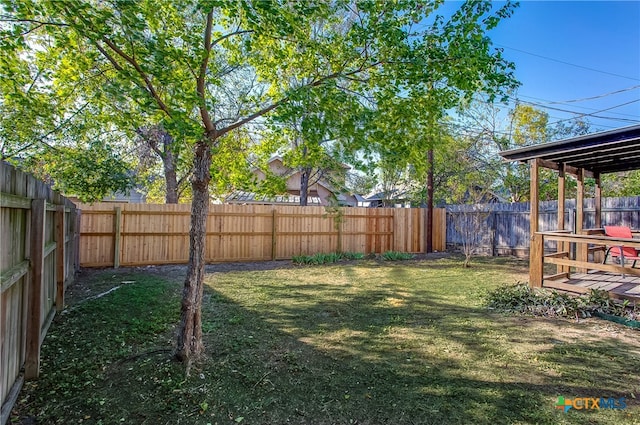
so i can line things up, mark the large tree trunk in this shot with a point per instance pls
(429, 241)
(171, 180)
(189, 341)
(304, 186)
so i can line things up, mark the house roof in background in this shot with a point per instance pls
(240, 197)
(603, 152)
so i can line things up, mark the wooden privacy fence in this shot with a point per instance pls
(143, 234)
(505, 227)
(38, 260)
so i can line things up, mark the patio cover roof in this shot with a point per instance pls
(603, 152)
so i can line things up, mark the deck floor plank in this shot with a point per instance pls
(627, 286)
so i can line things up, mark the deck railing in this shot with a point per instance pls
(579, 253)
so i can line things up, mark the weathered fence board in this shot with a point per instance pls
(34, 271)
(505, 227)
(141, 234)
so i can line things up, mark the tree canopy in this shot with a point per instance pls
(205, 69)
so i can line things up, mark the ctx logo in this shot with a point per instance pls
(590, 403)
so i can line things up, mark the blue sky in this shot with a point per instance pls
(572, 50)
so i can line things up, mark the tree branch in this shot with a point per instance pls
(4, 18)
(110, 58)
(224, 37)
(250, 118)
(140, 71)
(200, 81)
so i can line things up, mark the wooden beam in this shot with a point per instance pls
(559, 254)
(567, 287)
(576, 171)
(552, 165)
(34, 315)
(556, 277)
(596, 266)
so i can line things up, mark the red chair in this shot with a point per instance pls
(622, 253)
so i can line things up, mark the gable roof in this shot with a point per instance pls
(604, 152)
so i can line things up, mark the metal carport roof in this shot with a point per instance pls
(604, 152)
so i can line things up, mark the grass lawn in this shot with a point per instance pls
(362, 343)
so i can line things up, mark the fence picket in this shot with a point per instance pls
(508, 224)
(36, 266)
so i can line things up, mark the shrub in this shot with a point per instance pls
(326, 258)
(521, 298)
(396, 256)
(302, 259)
(353, 255)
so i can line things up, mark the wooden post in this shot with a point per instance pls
(274, 235)
(536, 269)
(561, 246)
(598, 201)
(117, 229)
(60, 256)
(534, 202)
(34, 315)
(580, 202)
(536, 248)
(494, 230)
(581, 248)
(76, 239)
(598, 256)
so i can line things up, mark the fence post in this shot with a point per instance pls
(339, 226)
(274, 230)
(34, 317)
(116, 236)
(493, 220)
(60, 256)
(536, 261)
(77, 222)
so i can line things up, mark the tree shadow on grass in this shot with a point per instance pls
(311, 353)
(377, 357)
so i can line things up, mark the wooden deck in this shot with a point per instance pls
(618, 286)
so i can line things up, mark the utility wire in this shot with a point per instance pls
(584, 114)
(549, 102)
(599, 96)
(568, 63)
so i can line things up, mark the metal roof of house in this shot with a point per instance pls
(240, 197)
(604, 152)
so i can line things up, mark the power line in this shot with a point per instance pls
(599, 96)
(550, 102)
(568, 63)
(581, 114)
